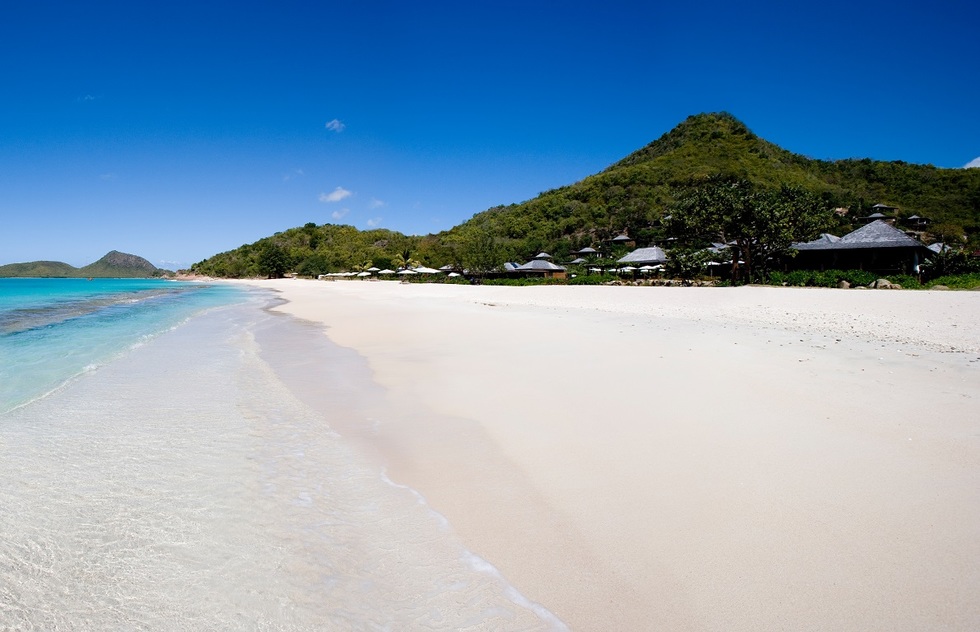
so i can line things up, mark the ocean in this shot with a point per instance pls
(157, 473)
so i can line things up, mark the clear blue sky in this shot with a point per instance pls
(176, 130)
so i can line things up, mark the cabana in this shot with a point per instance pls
(876, 247)
(541, 267)
(651, 256)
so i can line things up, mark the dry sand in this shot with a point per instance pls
(687, 458)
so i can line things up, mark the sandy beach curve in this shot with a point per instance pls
(685, 458)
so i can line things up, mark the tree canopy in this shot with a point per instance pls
(758, 223)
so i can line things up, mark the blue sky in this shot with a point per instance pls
(178, 130)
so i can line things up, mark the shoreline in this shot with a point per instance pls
(741, 458)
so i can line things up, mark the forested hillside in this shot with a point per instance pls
(631, 196)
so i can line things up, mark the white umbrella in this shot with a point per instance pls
(407, 272)
(363, 274)
(373, 269)
(453, 274)
(424, 270)
(387, 271)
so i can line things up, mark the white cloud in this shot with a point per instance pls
(86, 98)
(374, 222)
(375, 203)
(335, 126)
(336, 195)
(290, 176)
(108, 176)
(973, 164)
(340, 214)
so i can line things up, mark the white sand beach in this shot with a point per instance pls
(685, 458)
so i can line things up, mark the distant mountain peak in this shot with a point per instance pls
(114, 258)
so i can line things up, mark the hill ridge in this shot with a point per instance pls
(632, 195)
(114, 264)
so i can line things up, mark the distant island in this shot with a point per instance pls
(115, 265)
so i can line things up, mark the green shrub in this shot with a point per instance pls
(857, 277)
(907, 282)
(523, 281)
(821, 278)
(958, 281)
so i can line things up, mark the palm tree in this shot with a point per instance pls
(404, 260)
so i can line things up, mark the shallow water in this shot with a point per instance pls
(52, 330)
(182, 486)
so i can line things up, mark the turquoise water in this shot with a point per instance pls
(52, 330)
(180, 484)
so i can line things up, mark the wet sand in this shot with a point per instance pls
(685, 458)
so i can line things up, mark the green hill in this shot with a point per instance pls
(38, 269)
(114, 265)
(632, 196)
(121, 265)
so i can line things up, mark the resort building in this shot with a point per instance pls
(653, 255)
(876, 247)
(541, 267)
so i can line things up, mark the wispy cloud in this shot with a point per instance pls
(86, 98)
(375, 203)
(335, 126)
(296, 174)
(973, 164)
(336, 195)
(374, 222)
(108, 176)
(340, 214)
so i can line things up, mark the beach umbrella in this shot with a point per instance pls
(424, 270)
(373, 269)
(407, 272)
(387, 271)
(454, 274)
(363, 274)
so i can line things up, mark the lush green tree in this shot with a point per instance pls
(760, 223)
(273, 260)
(480, 252)
(687, 263)
(949, 261)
